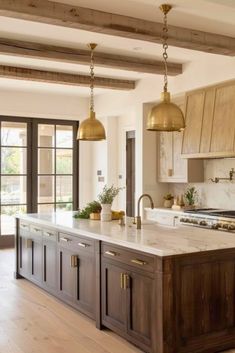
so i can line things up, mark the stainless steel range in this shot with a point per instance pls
(210, 218)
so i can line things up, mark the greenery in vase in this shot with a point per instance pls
(191, 195)
(168, 197)
(108, 194)
(92, 207)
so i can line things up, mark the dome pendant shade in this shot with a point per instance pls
(166, 116)
(91, 129)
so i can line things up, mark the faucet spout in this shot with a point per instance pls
(138, 218)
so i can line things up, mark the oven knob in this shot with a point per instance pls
(225, 225)
(195, 221)
(216, 226)
(182, 219)
(203, 223)
(231, 227)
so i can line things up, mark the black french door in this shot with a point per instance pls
(38, 169)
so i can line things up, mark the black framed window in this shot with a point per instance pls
(38, 167)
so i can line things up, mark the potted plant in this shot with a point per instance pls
(106, 198)
(168, 200)
(92, 211)
(191, 197)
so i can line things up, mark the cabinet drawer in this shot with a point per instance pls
(35, 229)
(49, 234)
(128, 257)
(76, 242)
(23, 228)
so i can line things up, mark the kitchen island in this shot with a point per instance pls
(166, 290)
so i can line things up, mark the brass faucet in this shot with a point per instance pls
(138, 218)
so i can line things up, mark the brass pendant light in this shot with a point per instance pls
(91, 129)
(165, 116)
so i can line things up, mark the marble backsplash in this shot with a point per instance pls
(221, 195)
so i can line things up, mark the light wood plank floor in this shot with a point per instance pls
(32, 321)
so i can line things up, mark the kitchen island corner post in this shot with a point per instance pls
(16, 272)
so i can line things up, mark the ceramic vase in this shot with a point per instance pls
(106, 213)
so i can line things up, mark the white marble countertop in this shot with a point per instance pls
(152, 238)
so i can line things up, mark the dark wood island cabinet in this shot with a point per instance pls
(182, 303)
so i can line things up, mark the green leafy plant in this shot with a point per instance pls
(108, 194)
(91, 207)
(191, 196)
(168, 197)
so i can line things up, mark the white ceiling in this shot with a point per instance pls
(208, 15)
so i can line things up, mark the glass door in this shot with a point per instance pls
(56, 167)
(13, 173)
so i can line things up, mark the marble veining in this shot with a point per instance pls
(152, 238)
(221, 195)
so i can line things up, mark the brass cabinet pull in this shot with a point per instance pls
(83, 245)
(74, 261)
(24, 225)
(37, 229)
(111, 253)
(65, 239)
(122, 280)
(29, 243)
(138, 262)
(125, 281)
(48, 234)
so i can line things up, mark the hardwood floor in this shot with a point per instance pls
(32, 321)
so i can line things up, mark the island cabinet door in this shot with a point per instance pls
(36, 254)
(85, 283)
(67, 274)
(139, 289)
(50, 263)
(114, 311)
(24, 255)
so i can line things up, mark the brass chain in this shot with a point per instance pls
(92, 82)
(165, 47)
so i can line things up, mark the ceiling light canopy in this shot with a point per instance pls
(165, 116)
(91, 129)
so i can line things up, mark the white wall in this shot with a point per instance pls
(52, 106)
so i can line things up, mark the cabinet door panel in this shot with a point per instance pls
(165, 169)
(207, 121)
(140, 294)
(194, 116)
(85, 291)
(24, 257)
(49, 265)
(36, 274)
(224, 122)
(68, 276)
(113, 297)
(179, 164)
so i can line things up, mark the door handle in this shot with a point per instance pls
(29, 243)
(37, 230)
(83, 245)
(139, 262)
(74, 261)
(126, 281)
(122, 280)
(111, 253)
(65, 239)
(48, 234)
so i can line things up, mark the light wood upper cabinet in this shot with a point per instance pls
(172, 168)
(210, 122)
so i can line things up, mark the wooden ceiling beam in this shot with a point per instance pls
(53, 13)
(79, 56)
(62, 78)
